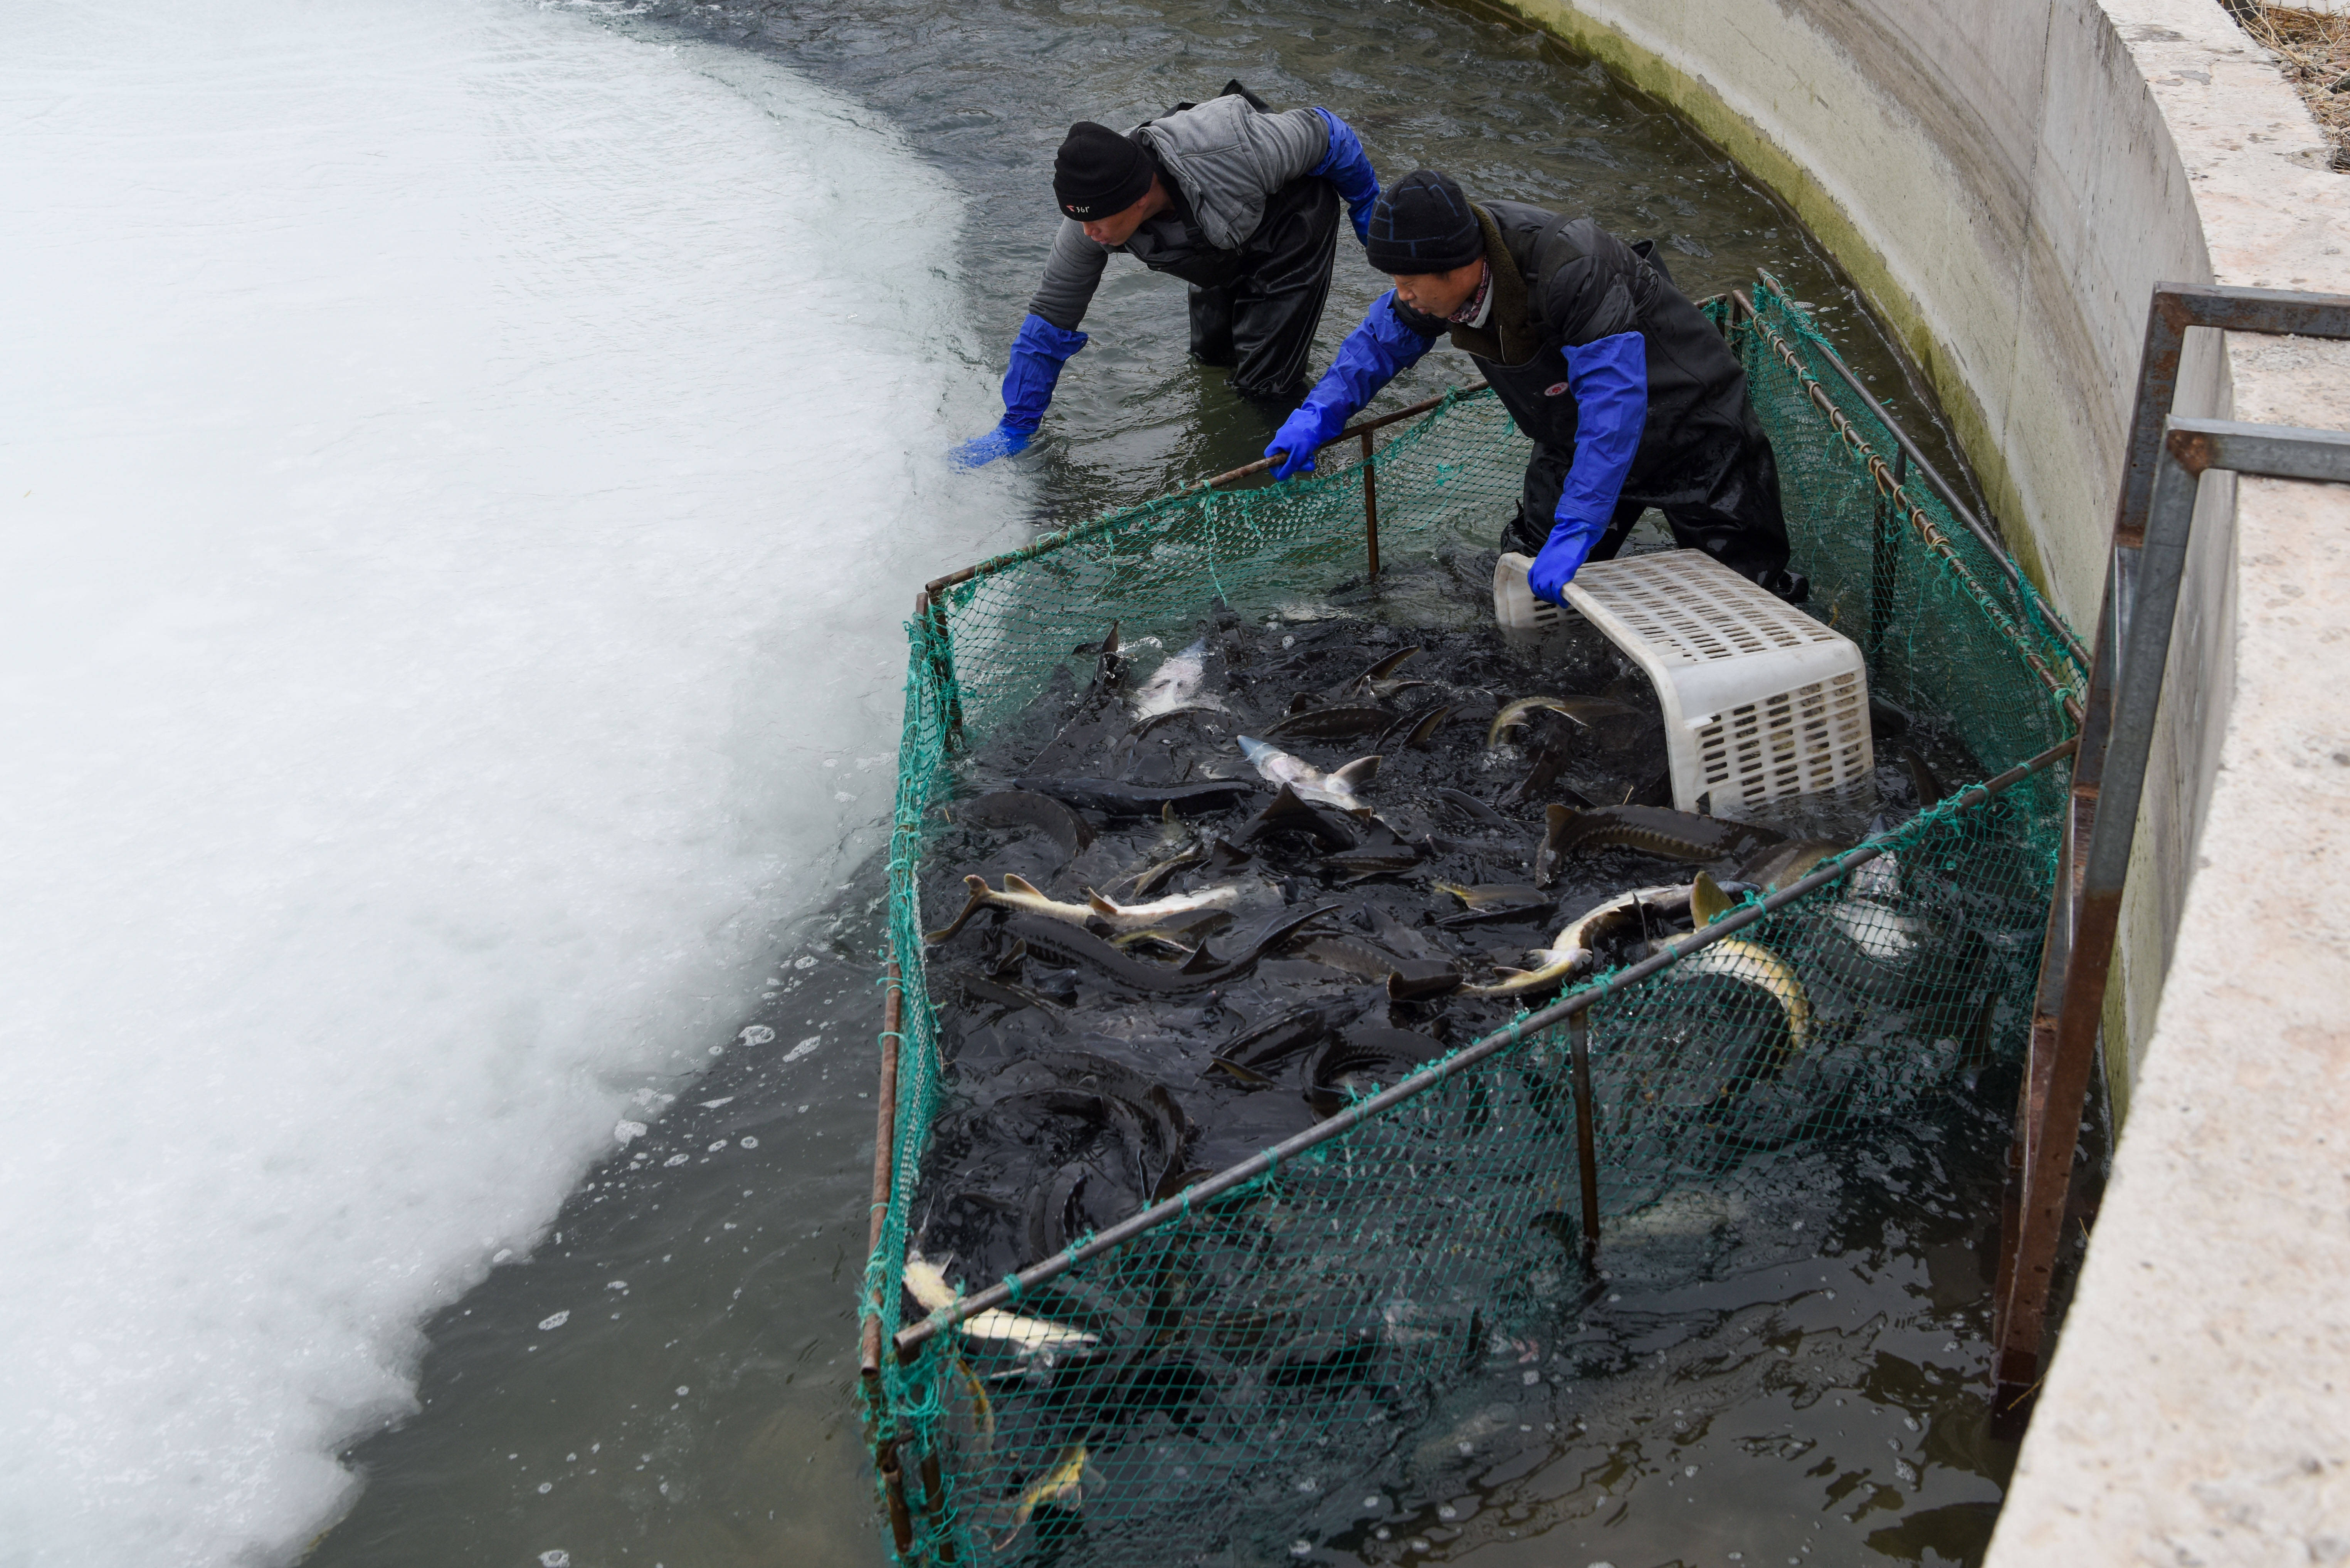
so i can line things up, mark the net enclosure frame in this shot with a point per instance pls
(1550, 1105)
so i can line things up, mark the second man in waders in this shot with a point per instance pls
(1239, 203)
(1630, 394)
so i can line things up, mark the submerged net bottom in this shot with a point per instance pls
(1200, 1393)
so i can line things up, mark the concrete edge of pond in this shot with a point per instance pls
(2007, 180)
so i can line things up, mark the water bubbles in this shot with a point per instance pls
(554, 1559)
(804, 1047)
(1529, 1377)
(616, 1285)
(500, 1256)
(807, 962)
(1301, 1548)
(716, 1146)
(545, 1487)
(756, 1035)
(748, 1141)
(624, 1131)
(682, 1390)
(557, 1320)
(677, 1159)
(1374, 1504)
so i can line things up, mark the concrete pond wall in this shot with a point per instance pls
(2007, 180)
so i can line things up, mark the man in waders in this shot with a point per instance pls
(1238, 202)
(1630, 395)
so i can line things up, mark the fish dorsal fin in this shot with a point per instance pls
(1199, 962)
(978, 886)
(1101, 906)
(1355, 774)
(1385, 667)
(1019, 885)
(1707, 902)
(1555, 821)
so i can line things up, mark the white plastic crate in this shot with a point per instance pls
(1761, 701)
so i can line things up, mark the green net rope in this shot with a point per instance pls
(1291, 1335)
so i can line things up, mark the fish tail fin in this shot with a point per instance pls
(981, 894)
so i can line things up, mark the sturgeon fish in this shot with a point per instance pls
(1583, 711)
(1652, 830)
(1749, 963)
(1335, 787)
(1063, 1485)
(927, 1282)
(1573, 947)
(1176, 684)
(1021, 897)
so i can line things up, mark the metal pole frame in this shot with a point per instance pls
(2153, 521)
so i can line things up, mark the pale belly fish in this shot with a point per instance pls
(1572, 949)
(1021, 897)
(1338, 787)
(1063, 1484)
(1751, 963)
(1176, 684)
(1583, 711)
(1026, 1336)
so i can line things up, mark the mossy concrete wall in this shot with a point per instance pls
(2007, 180)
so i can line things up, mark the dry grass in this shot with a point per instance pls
(2313, 49)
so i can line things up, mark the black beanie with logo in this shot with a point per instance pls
(1099, 172)
(1422, 223)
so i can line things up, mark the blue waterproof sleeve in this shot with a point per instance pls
(1347, 167)
(1610, 381)
(1038, 352)
(1373, 354)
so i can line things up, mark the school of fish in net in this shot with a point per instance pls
(1221, 889)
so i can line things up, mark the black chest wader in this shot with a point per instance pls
(1257, 308)
(1718, 485)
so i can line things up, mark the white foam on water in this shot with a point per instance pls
(462, 470)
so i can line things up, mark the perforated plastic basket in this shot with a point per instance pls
(1761, 701)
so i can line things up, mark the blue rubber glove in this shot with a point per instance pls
(1038, 352)
(1373, 354)
(1610, 381)
(1347, 167)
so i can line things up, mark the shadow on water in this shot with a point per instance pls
(669, 1378)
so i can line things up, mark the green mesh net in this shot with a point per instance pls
(1221, 1377)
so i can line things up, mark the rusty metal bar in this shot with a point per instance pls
(2153, 524)
(1112, 1237)
(1587, 1142)
(936, 587)
(885, 1141)
(893, 1490)
(934, 1512)
(1370, 504)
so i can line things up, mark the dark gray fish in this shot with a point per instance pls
(1922, 778)
(1065, 947)
(1285, 812)
(1416, 729)
(1677, 836)
(1363, 1061)
(1476, 808)
(1022, 808)
(1114, 799)
(1341, 723)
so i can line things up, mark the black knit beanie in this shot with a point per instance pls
(1099, 172)
(1422, 225)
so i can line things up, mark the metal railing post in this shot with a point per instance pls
(2153, 524)
(1587, 1142)
(1370, 504)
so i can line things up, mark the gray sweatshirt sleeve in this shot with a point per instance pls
(1290, 143)
(1072, 273)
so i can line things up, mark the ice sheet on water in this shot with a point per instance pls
(450, 511)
